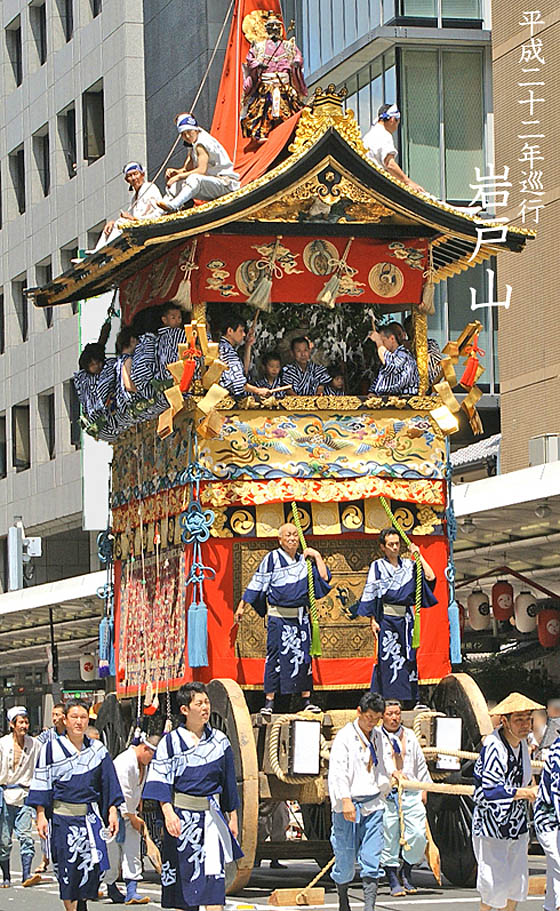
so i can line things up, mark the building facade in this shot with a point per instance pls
(86, 86)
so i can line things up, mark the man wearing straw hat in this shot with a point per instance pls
(502, 777)
(124, 852)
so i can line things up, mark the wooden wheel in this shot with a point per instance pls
(450, 815)
(231, 715)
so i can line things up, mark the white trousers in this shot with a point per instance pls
(125, 856)
(198, 186)
(503, 869)
(550, 842)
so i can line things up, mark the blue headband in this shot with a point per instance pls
(186, 122)
(392, 112)
(132, 166)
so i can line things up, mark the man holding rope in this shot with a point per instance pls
(389, 599)
(502, 777)
(404, 816)
(359, 779)
(282, 581)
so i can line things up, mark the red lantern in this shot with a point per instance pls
(502, 600)
(548, 627)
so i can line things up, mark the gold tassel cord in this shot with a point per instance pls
(327, 297)
(260, 296)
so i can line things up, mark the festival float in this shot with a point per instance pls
(198, 494)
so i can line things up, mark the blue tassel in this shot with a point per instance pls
(198, 634)
(106, 648)
(454, 634)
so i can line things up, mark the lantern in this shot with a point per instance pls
(525, 612)
(87, 667)
(502, 600)
(478, 608)
(548, 627)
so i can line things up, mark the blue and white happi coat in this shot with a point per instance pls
(498, 772)
(281, 582)
(193, 864)
(167, 350)
(546, 810)
(264, 383)
(395, 675)
(76, 846)
(233, 378)
(306, 382)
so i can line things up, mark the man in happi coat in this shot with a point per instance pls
(76, 792)
(358, 781)
(193, 777)
(402, 750)
(273, 82)
(502, 779)
(282, 581)
(388, 599)
(547, 824)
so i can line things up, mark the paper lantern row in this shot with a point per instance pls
(522, 611)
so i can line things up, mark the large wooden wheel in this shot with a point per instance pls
(450, 815)
(231, 715)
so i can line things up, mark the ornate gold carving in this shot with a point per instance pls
(319, 117)
(302, 200)
(420, 330)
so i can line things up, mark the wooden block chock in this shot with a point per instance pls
(286, 897)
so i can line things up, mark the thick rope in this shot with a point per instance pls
(417, 560)
(301, 896)
(315, 650)
(409, 784)
(273, 747)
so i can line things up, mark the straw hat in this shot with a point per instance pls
(515, 702)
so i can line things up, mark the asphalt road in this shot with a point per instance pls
(44, 896)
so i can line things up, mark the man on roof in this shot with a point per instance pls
(142, 204)
(502, 793)
(207, 172)
(381, 147)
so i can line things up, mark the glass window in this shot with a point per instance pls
(93, 123)
(67, 133)
(3, 447)
(41, 152)
(15, 49)
(463, 121)
(337, 27)
(460, 9)
(419, 138)
(421, 9)
(38, 21)
(21, 439)
(21, 306)
(16, 161)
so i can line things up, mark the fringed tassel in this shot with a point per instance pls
(427, 303)
(327, 297)
(416, 630)
(261, 294)
(184, 293)
(454, 633)
(168, 726)
(198, 634)
(315, 651)
(329, 293)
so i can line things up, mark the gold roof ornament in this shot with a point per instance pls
(325, 111)
(254, 25)
(515, 702)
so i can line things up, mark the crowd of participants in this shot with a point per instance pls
(117, 392)
(88, 806)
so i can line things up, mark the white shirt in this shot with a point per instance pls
(379, 143)
(22, 774)
(414, 763)
(143, 204)
(219, 162)
(352, 774)
(128, 773)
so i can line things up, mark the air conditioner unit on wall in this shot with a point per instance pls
(544, 448)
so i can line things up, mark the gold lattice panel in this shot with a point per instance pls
(341, 637)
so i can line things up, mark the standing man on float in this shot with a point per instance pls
(389, 599)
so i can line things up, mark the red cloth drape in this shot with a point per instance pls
(226, 125)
